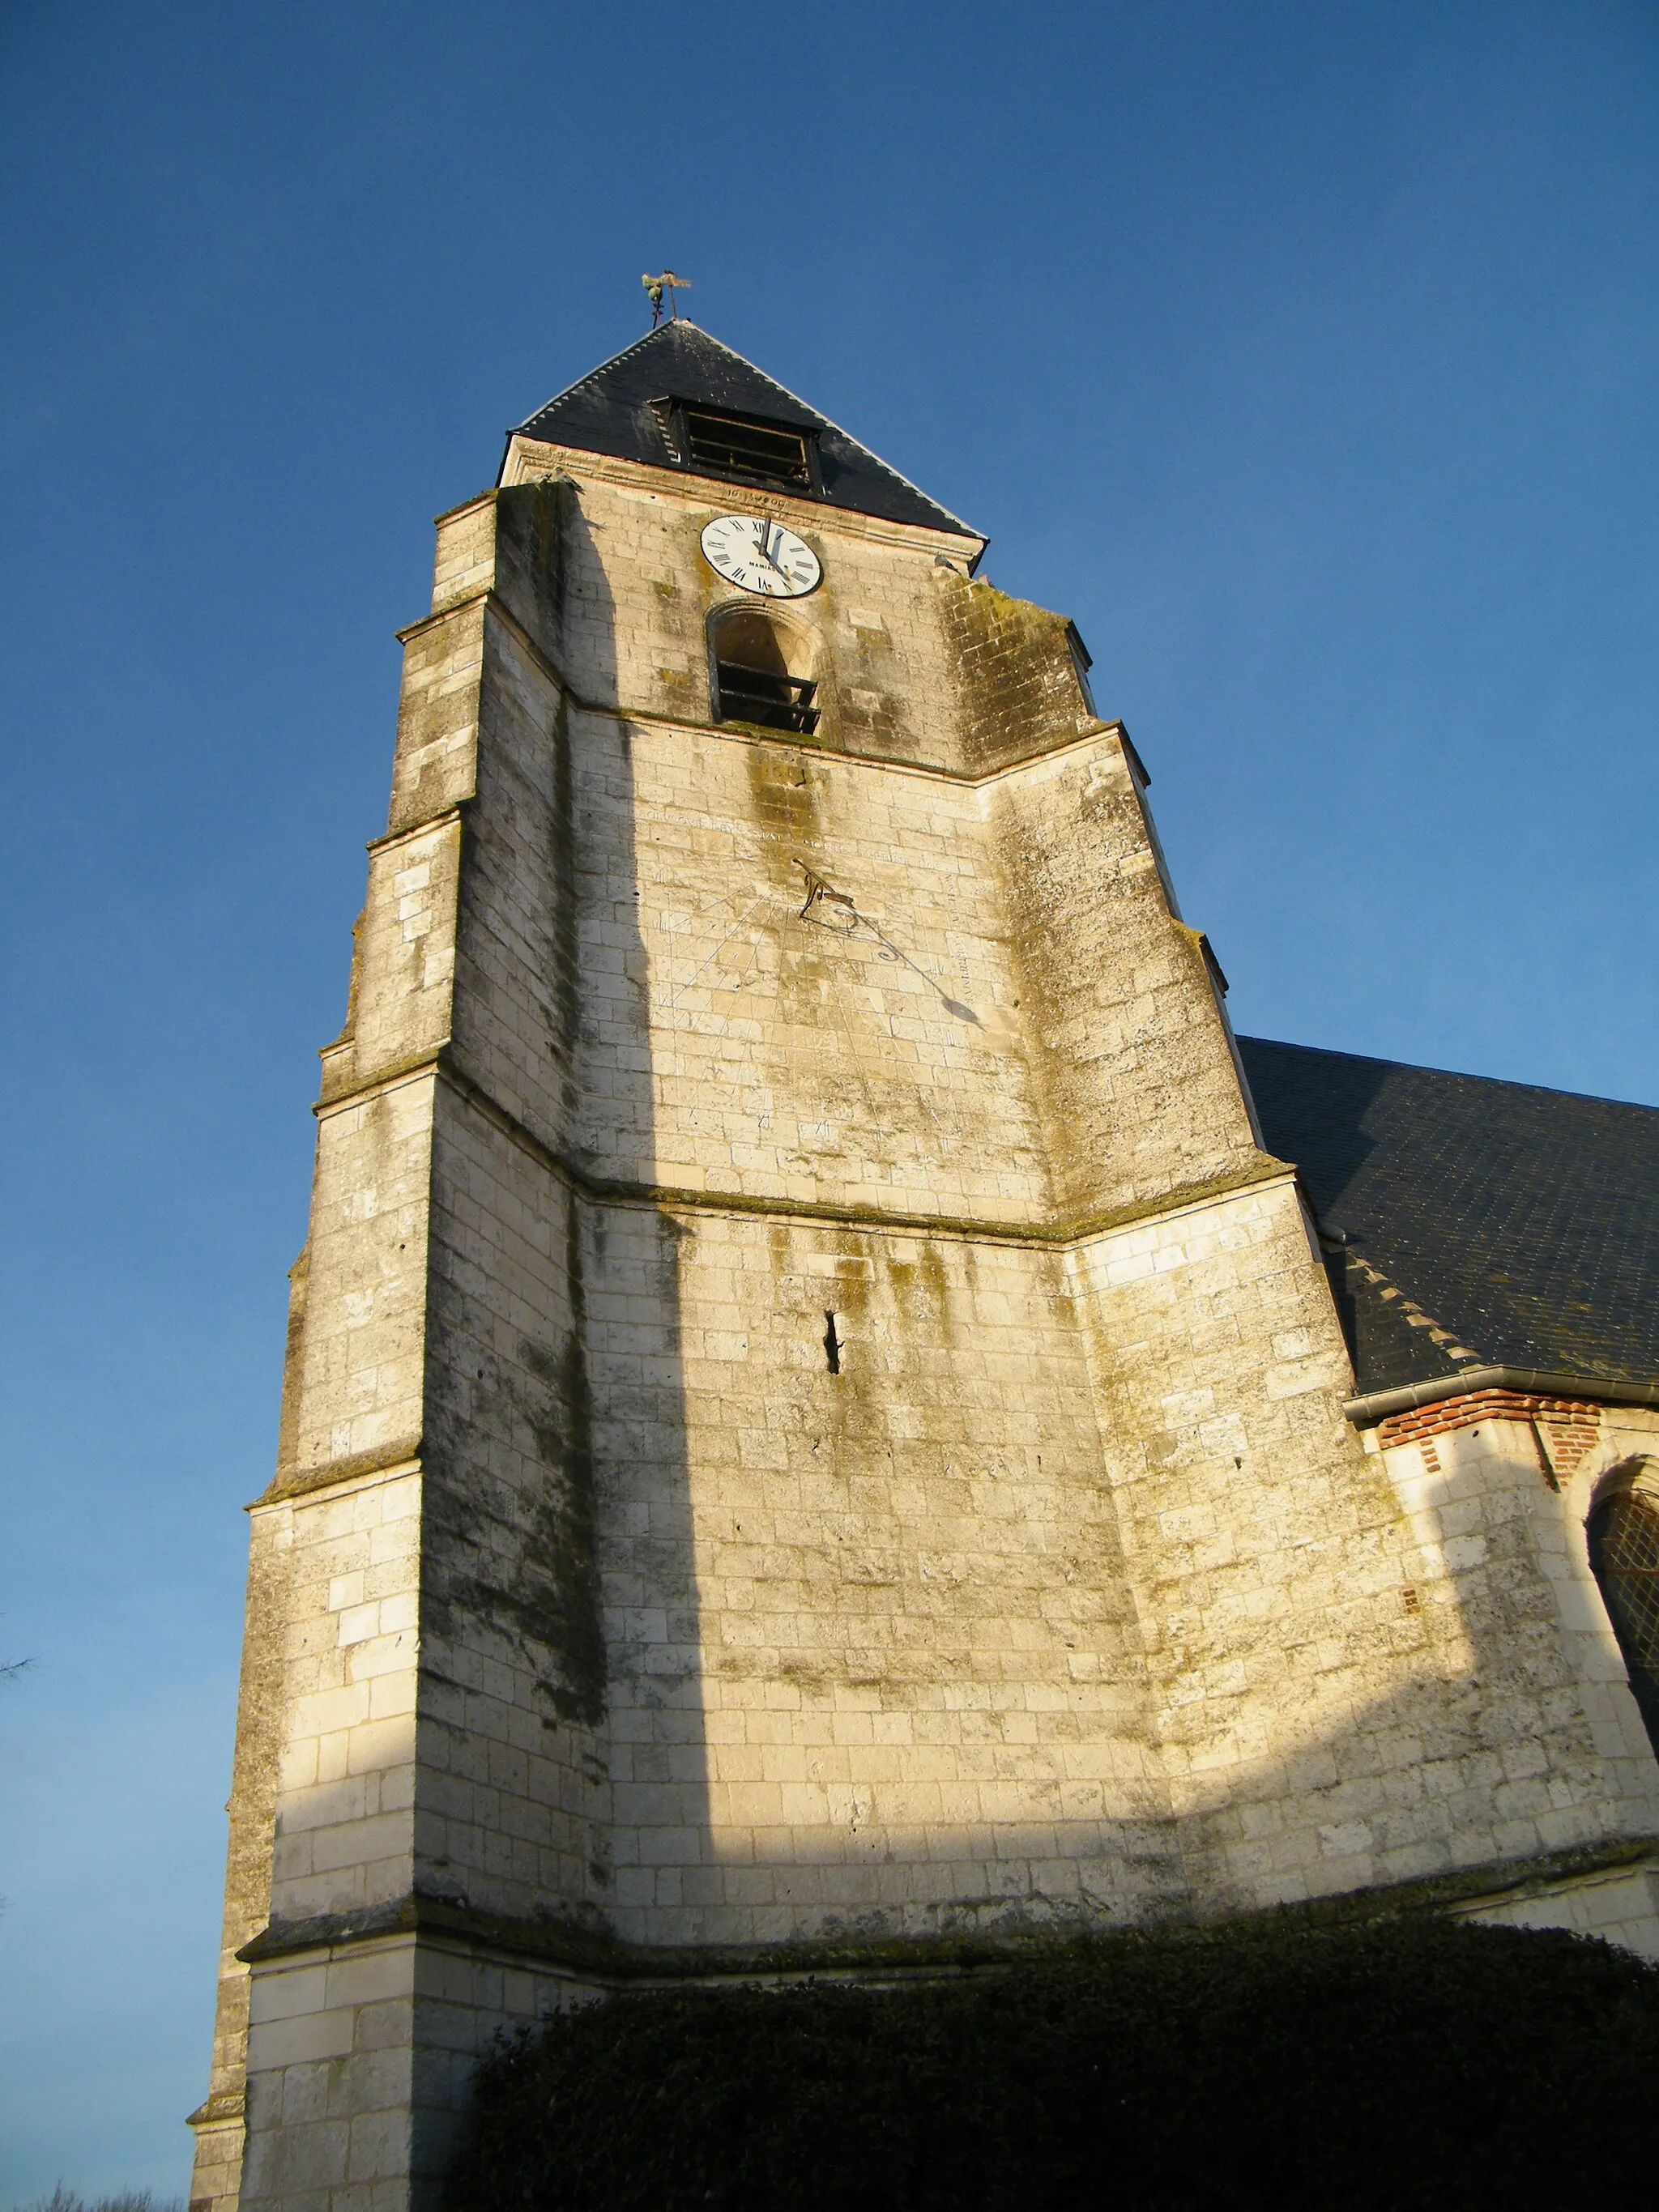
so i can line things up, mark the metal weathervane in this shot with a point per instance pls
(655, 289)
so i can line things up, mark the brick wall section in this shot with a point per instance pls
(1567, 1427)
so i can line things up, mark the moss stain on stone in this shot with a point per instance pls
(1018, 683)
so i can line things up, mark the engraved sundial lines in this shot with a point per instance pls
(852, 1080)
(823, 991)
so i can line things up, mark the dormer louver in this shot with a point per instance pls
(711, 442)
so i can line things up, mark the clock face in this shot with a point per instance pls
(761, 556)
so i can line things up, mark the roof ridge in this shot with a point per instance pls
(600, 368)
(765, 377)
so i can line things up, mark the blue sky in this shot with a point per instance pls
(1304, 354)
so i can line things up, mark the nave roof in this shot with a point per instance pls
(1522, 1224)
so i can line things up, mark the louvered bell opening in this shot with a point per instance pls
(769, 453)
(759, 695)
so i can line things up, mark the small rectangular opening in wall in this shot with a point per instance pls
(769, 452)
(760, 694)
(831, 1344)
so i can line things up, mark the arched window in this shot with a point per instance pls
(761, 672)
(1623, 1550)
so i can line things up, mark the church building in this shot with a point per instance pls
(836, 1419)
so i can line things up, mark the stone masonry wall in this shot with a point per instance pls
(1300, 1702)
(514, 1029)
(1504, 1541)
(875, 1669)
(912, 663)
(1130, 1048)
(868, 1055)
(1356, 1658)
(514, 1799)
(1014, 683)
(809, 1416)
(260, 1719)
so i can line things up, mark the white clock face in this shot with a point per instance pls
(761, 556)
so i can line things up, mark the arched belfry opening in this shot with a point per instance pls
(761, 671)
(1624, 1552)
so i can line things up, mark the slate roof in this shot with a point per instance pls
(1521, 1224)
(608, 411)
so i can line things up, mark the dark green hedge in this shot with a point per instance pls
(1399, 2064)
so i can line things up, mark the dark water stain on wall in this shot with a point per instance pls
(561, 1555)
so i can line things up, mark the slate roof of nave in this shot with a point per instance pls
(610, 411)
(1523, 1223)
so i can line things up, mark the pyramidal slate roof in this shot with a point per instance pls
(610, 411)
(1517, 1225)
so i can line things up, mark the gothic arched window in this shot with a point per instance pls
(1623, 1550)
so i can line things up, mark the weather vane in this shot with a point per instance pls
(655, 289)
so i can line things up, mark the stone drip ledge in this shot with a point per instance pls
(1063, 1236)
(220, 2110)
(1091, 729)
(381, 1465)
(601, 1959)
(529, 460)
(1061, 1233)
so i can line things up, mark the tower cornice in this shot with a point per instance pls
(530, 459)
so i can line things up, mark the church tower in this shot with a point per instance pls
(813, 1429)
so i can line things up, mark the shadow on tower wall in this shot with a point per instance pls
(555, 1433)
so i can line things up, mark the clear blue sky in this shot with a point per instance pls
(1304, 353)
